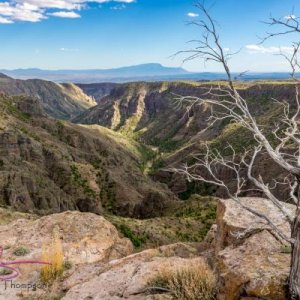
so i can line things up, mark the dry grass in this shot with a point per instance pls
(187, 283)
(52, 253)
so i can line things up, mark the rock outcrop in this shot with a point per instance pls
(129, 277)
(85, 237)
(103, 266)
(252, 260)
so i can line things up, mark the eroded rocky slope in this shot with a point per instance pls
(50, 166)
(62, 101)
(150, 113)
(168, 135)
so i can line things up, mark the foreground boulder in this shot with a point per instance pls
(252, 261)
(85, 237)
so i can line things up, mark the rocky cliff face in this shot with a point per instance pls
(149, 111)
(50, 166)
(62, 101)
(152, 112)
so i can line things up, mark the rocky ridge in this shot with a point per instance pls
(62, 101)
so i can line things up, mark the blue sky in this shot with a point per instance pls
(83, 34)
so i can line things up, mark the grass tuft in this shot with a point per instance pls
(187, 283)
(52, 253)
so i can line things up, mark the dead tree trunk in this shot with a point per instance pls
(294, 279)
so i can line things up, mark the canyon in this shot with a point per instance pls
(99, 157)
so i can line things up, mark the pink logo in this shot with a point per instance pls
(7, 265)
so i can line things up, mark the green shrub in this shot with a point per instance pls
(67, 265)
(60, 125)
(4, 272)
(137, 241)
(286, 249)
(97, 164)
(21, 251)
(81, 182)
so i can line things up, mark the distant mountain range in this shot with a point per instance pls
(144, 72)
(139, 72)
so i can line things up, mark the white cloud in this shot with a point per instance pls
(37, 10)
(5, 21)
(105, 1)
(253, 49)
(118, 7)
(192, 15)
(21, 12)
(60, 4)
(68, 49)
(65, 14)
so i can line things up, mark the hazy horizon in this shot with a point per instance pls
(129, 66)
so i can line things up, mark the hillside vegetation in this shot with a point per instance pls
(50, 166)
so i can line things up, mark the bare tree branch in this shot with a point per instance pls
(227, 103)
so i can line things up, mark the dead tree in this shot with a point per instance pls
(231, 105)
